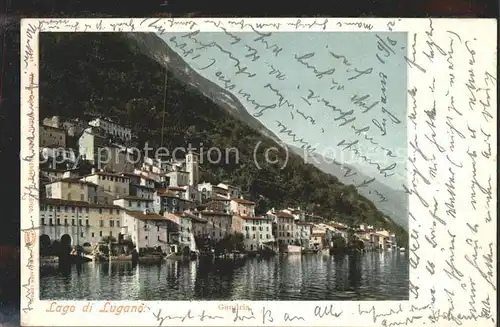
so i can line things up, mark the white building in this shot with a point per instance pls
(184, 228)
(242, 207)
(285, 223)
(257, 231)
(147, 230)
(298, 214)
(178, 178)
(303, 232)
(57, 155)
(232, 191)
(135, 203)
(159, 178)
(192, 194)
(78, 222)
(110, 186)
(91, 140)
(72, 189)
(113, 128)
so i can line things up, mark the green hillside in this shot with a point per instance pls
(104, 73)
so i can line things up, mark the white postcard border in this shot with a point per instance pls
(437, 295)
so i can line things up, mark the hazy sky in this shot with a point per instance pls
(313, 49)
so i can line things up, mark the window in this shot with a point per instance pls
(158, 228)
(111, 223)
(101, 223)
(72, 222)
(253, 236)
(92, 234)
(65, 222)
(130, 203)
(65, 209)
(50, 221)
(267, 236)
(87, 222)
(81, 198)
(81, 234)
(100, 233)
(73, 209)
(158, 237)
(43, 221)
(58, 221)
(117, 223)
(246, 228)
(111, 211)
(146, 237)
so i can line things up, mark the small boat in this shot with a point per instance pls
(121, 258)
(150, 259)
(49, 261)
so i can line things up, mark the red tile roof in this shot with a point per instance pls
(166, 194)
(145, 216)
(176, 188)
(71, 203)
(76, 181)
(282, 214)
(254, 218)
(242, 201)
(215, 213)
(133, 198)
(303, 223)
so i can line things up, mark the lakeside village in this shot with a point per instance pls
(157, 210)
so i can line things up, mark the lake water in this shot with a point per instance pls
(369, 276)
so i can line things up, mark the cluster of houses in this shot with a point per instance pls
(157, 203)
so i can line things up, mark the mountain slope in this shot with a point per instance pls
(111, 75)
(391, 202)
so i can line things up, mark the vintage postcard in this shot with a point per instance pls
(255, 172)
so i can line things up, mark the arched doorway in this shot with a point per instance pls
(65, 245)
(44, 244)
(66, 240)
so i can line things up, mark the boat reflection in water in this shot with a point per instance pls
(368, 276)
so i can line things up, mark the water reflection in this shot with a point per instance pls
(370, 276)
